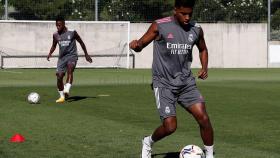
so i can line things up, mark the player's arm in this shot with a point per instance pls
(54, 43)
(203, 55)
(78, 38)
(147, 38)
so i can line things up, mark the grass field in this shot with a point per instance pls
(111, 110)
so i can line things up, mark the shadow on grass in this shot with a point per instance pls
(78, 98)
(166, 155)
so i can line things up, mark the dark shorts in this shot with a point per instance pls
(63, 62)
(166, 99)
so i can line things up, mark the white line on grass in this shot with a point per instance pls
(104, 95)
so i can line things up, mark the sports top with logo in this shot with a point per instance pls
(172, 77)
(173, 53)
(67, 43)
(67, 49)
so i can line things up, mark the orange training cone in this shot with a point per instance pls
(17, 138)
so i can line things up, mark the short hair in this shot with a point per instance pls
(184, 3)
(59, 18)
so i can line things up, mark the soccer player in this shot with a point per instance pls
(67, 60)
(173, 81)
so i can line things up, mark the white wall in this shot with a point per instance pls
(35, 38)
(274, 54)
(229, 45)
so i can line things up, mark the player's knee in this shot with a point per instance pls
(170, 127)
(59, 76)
(204, 121)
(70, 68)
(70, 73)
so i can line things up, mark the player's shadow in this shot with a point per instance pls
(77, 98)
(167, 155)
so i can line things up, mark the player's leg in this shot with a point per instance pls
(60, 87)
(191, 99)
(71, 64)
(165, 101)
(198, 111)
(60, 72)
(69, 80)
(59, 83)
(167, 127)
(70, 72)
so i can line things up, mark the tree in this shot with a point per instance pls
(2, 9)
(275, 20)
(230, 10)
(209, 11)
(275, 15)
(141, 11)
(275, 4)
(135, 10)
(246, 11)
(120, 10)
(49, 9)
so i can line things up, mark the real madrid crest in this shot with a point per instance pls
(167, 110)
(190, 38)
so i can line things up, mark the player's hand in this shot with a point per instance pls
(48, 57)
(135, 45)
(203, 74)
(88, 58)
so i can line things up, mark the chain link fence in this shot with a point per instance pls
(213, 11)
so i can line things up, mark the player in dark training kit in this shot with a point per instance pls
(66, 39)
(173, 81)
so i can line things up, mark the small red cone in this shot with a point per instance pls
(17, 138)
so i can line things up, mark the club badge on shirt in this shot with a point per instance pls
(190, 38)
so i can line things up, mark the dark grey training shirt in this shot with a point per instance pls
(172, 55)
(67, 43)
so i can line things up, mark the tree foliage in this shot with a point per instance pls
(231, 10)
(139, 11)
(135, 10)
(205, 10)
(209, 11)
(2, 8)
(49, 9)
(275, 15)
(275, 4)
(275, 21)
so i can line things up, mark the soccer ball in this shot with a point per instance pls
(33, 98)
(192, 151)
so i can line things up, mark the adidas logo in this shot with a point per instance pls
(170, 36)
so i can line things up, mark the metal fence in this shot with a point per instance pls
(230, 11)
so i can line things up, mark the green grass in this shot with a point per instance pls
(243, 105)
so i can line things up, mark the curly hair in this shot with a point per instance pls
(184, 3)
